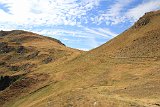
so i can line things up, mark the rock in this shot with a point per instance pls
(26, 67)
(47, 60)
(34, 54)
(3, 44)
(3, 33)
(4, 48)
(2, 63)
(14, 68)
(6, 81)
(20, 49)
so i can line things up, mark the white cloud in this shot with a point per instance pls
(136, 12)
(38, 12)
(63, 33)
(117, 7)
(70, 12)
(89, 37)
(101, 32)
(45, 17)
(113, 15)
(121, 11)
(82, 32)
(107, 32)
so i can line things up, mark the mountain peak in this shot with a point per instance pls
(141, 40)
(123, 72)
(146, 18)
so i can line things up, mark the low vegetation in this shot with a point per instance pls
(124, 72)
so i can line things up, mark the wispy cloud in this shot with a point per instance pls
(116, 9)
(134, 13)
(28, 13)
(83, 24)
(89, 36)
(113, 15)
(38, 12)
(121, 11)
(101, 32)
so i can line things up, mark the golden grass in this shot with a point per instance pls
(112, 75)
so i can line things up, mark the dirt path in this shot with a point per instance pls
(135, 102)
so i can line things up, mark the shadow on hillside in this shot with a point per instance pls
(6, 81)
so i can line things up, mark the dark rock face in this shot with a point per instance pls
(6, 81)
(21, 85)
(3, 45)
(3, 33)
(144, 20)
(20, 49)
(2, 63)
(4, 48)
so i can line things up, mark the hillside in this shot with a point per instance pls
(22, 52)
(141, 40)
(124, 72)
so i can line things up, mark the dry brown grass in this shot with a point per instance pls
(21, 53)
(124, 72)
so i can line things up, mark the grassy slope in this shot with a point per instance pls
(141, 40)
(21, 54)
(120, 73)
(20, 47)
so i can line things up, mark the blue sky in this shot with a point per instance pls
(81, 24)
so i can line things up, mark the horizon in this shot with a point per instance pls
(78, 24)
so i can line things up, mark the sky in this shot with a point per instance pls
(81, 24)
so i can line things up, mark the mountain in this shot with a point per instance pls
(141, 40)
(124, 72)
(22, 52)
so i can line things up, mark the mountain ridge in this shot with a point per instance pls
(135, 36)
(123, 72)
(16, 32)
(21, 53)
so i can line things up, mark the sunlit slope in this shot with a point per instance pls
(21, 53)
(124, 72)
(141, 40)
